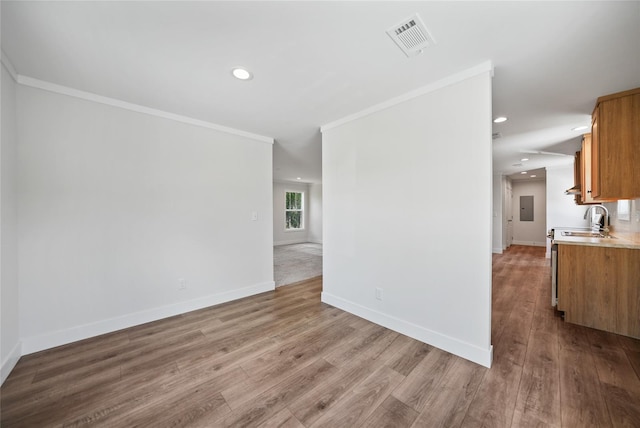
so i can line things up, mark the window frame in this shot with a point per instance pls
(301, 210)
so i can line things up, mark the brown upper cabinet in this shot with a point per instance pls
(585, 171)
(615, 148)
(582, 174)
(577, 177)
(585, 174)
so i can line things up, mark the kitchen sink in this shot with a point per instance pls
(586, 234)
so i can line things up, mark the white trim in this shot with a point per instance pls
(12, 358)
(4, 59)
(462, 349)
(294, 182)
(486, 66)
(530, 243)
(10, 362)
(562, 166)
(64, 90)
(289, 242)
(497, 250)
(73, 334)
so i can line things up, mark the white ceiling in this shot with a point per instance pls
(530, 175)
(316, 62)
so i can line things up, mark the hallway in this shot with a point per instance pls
(548, 371)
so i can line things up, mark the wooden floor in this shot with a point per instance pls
(284, 359)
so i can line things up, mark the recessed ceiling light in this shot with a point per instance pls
(524, 159)
(500, 119)
(523, 172)
(241, 73)
(532, 176)
(580, 128)
(298, 178)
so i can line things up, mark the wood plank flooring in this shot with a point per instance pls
(284, 359)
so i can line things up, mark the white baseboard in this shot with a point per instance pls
(289, 242)
(530, 243)
(497, 250)
(63, 337)
(10, 362)
(457, 347)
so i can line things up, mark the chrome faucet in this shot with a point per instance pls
(596, 226)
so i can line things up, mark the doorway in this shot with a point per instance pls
(297, 232)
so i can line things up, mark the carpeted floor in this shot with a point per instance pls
(296, 262)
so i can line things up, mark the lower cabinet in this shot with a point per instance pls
(599, 287)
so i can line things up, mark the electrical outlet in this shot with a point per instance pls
(379, 293)
(182, 284)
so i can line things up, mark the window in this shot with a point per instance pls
(294, 211)
(624, 210)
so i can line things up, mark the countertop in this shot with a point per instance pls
(619, 240)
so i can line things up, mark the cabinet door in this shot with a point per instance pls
(599, 287)
(617, 147)
(577, 176)
(595, 159)
(586, 182)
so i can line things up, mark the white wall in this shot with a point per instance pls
(562, 210)
(498, 196)
(280, 235)
(315, 213)
(9, 293)
(116, 206)
(530, 232)
(625, 226)
(392, 222)
(507, 212)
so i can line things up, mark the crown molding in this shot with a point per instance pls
(560, 166)
(484, 67)
(295, 182)
(4, 59)
(65, 90)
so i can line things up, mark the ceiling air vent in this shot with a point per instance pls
(411, 36)
(496, 135)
